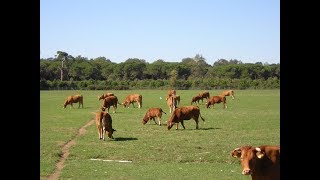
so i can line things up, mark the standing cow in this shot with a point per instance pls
(153, 113)
(108, 102)
(104, 124)
(227, 93)
(130, 99)
(184, 113)
(216, 99)
(204, 95)
(172, 103)
(103, 96)
(262, 163)
(74, 99)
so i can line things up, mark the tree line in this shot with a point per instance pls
(66, 71)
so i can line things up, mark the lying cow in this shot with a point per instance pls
(153, 113)
(108, 102)
(74, 99)
(227, 93)
(104, 123)
(184, 113)
(216, 99)
(196, 99)
(130, 99)
(262, 163)
(103, 96)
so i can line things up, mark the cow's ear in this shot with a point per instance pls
(259, 153)
(236, 153)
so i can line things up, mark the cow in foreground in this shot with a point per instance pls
(103, 96)
(108, 102)
(262, 163)
(130, 99)
(74, 99)
(216, 99)
(153, 113)
(227, 93)
(184, 113)
(104, 124)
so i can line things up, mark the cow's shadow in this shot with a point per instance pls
(124, 139)
(210, 128)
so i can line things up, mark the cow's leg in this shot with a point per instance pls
(99, 131)
(182, 124)
(103, 133)
(177, 126)
(71, 105)
(159, 120)
(197, 126)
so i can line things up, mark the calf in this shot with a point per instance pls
(74, 99)
(153, 113)
(227, 93)
(108, 102)
(184, 113)
(196, 99)
(130, 99)
(262, 163)
(103, 96)
(216, 99)
(104, 123)
(172, 103)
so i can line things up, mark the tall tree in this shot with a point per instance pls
(61, 56)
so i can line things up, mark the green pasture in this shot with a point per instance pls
(252, 118)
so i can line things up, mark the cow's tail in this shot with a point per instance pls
(202, 118)
(162, 111)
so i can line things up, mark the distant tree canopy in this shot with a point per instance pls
(65, 67)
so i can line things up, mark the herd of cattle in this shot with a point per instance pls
(260, 162)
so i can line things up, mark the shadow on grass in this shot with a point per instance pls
(124, 139)
(196, 129)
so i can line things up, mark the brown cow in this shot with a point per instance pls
(262, 163)
(104, 123)
(74, 99)
(227, 93)
(177, 97)
(153, 113)
(196, 99)
(171, 92)
(204, 95)
(184, 113)
(130, 99)
(103, 96)
(108, 102)
(172, 103)
(216, 99)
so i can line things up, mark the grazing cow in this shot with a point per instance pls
(216, 99)
(172, 103)
(227, 93)
(74, 99)
(204, 95)
(103, 96)
(196, 99)
(104, 123)
(184, 113)
(153, 113)
(262, 163)
(108, 102)
(130, 99)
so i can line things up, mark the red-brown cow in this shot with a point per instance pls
(74, 99)
(130, 99)
(172, 103)
(204, 95)
(108, 102)
(104, 123)
(227, 93)
(184, 113)
(196, 99)
(153, 113)
(216, 99)
(262, 163)
(103, 96)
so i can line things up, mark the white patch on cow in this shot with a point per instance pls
(258, 149)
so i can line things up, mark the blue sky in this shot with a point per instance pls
(246, 30)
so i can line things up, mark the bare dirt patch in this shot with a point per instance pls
(65, 152)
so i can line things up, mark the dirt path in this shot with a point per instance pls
(65, 152)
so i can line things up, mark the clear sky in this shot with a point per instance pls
(246, 30)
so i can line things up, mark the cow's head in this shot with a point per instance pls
(248, 156)
(65, 104)
(103, 108)
(100, 97)
(207, 104)
(124, 104)
(144, 121)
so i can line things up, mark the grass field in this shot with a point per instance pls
(252, 118)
